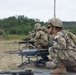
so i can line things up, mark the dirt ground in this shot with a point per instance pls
(12, 61)
(9, 61)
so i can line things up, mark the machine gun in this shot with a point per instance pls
(16, 72)
(26, 41)
(30, 53)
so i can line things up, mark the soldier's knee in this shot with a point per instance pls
(50, 64)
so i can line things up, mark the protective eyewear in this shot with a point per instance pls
(49, 27)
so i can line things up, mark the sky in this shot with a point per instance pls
(40, 9)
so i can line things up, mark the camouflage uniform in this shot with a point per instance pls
(31, 34)
(41, 38)
(72, 36)
(61, 50)
(37, 25)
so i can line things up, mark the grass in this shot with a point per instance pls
(13, 37)
(17, 36)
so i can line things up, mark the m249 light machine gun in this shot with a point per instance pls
(30, 53)
(26, 41)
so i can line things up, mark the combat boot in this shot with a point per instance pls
(59, 70)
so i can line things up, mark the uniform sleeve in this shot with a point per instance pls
(37, 35)
(61, 42)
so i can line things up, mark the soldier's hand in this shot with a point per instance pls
(50, 43)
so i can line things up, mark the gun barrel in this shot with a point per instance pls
(14, 72)
(13, 52)
(22, 42)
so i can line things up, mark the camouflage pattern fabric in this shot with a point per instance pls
(62, 48)
(51, 65)
(37, 26)
(41, 39)
(72, 36)
(55, 22)
(32, 34)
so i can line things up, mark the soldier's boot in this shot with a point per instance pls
(59, 70)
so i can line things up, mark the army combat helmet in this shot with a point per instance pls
(55, 22)
(37, 26)
(43, 28)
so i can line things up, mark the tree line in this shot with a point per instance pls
(21, 25)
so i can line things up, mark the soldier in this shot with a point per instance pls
(60, 51)
(41, 39)
(37, 28)
(33, 33)
(36, 25)
(45, 37)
